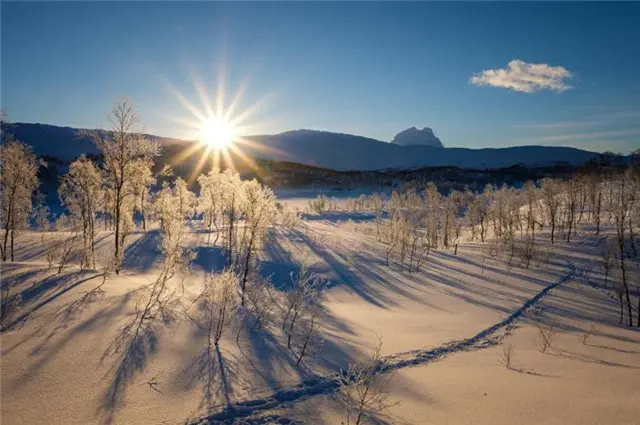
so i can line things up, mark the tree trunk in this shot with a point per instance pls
(621, 307)
(13, 236)
(626, 288)
(632, 237)
(293, 322)
(638, 312)
(246, 269)
(598, 209)
(93, 241)
(117, 233)
(6, 239)
(306, 342)
(144, 221)
(7, 228)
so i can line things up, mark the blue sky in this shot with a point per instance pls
(479, 74)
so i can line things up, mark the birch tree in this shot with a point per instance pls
(210, 200)
(232, 201)
(362, 388)
(144, 179)
(623, 198)
(259, 211)
(125, 152)
(80, 191)
(18, 181)
(305, 287)
(220, 303)
(550, 192)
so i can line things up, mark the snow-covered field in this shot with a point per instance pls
(444, 329)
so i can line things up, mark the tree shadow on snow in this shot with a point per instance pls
(216, 375)
(209, 258)
(130, 350)
(142, 254)
(62, 282)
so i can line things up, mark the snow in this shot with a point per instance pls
(443, 328)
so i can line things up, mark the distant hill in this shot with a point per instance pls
(348, 152)
(64, 143)
(342, 152)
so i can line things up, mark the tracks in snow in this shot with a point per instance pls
(327, 385)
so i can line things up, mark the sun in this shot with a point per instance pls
(217, 133)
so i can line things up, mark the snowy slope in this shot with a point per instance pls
(443, 327)
(342, 152)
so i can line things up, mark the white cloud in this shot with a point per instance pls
(525, 77)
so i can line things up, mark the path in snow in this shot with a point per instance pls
(327, 384)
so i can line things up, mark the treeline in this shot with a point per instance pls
(418, 218)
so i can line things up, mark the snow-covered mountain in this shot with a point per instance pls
(336, 151)
(413, 136)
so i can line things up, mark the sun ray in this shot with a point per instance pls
(196, 170)
(186, 153)
(246, 114)
(254, 146)
(202, 94)
(185, 102)
(218, 129)
(230, 111)
(220, 94)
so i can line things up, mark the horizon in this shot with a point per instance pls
(564, 74)
(9, 123)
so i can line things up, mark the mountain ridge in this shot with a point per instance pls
(337, 151)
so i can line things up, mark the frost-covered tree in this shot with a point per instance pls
(608, 258)
(232, 211)
(623, 197)
(210, 201)
(304, 292)
(530, 193)
(259, 212)
(47, 240)
(18, 181)
(362, 388)
(162, 206)
(433, 202)
(260, 303)
(126, 151)
(377, 204)
(571, 195)
(320, 204)
(221, 303)
(593, 184)
(67, 227)
(477, 213)
(550, 191)
(177, 260)
(310, 339)
(185, 198)
(141, 184)
(80, 192)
